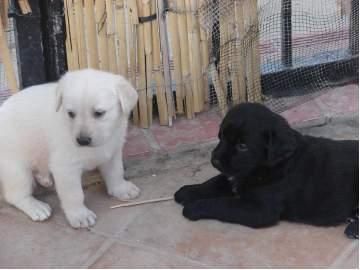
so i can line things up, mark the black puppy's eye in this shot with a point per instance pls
(71, 114)
(98, 114)
(241, 147)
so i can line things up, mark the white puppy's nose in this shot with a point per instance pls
(83, 140)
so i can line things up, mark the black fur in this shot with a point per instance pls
(270, 172)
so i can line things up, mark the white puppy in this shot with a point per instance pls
(58, 130)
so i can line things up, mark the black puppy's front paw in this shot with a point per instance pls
(185, 194)
(194, 211)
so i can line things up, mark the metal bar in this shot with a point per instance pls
(161, 4)
(334, 73)
(53, 29)
(286, 33)
(354, 27)
(29, 42)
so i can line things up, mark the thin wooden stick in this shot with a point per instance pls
(142, 202)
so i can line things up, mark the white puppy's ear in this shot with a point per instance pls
(59, 96)
(127, 95)
(59, 93)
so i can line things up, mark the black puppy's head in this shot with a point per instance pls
(251, 136)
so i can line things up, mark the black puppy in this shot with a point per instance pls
(270, 172)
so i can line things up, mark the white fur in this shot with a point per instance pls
(38, 140)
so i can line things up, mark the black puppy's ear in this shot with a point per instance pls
(281, 144)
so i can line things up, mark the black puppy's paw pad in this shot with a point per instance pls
(195, 211)
(191, 214)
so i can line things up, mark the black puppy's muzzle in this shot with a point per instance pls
(215, 161)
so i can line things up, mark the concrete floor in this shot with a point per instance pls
(157, 235)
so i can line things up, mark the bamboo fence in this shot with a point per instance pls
(127, 37)
(5, 55)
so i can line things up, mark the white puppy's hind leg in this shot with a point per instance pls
(113, 174)
(17, 191)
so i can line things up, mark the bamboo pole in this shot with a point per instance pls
(110, 34)
(24, 6)
(6, 59)
(90, 32)
(234, 59)
(158, 74)
(4, 6)
(195, 56)
(121, 36)
(132, 21)
(204, 44)
(224, 52)
(69, 53)
(218, 88)
(239, 52)
(165, 59)
(81, 42)
(144, 121)
(73, 34)
(185, 64)
(146, 11)
(100, 19)
(255, 52)
(176, 55)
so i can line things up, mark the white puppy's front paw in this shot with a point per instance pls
(35, 209)
(80, 217)
(124, 191)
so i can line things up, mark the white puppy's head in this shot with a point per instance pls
(95, 104)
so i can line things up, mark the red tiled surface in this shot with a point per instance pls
(136, 143)
(200, 129)
(204, 127)
(341, 100)
(306, 111)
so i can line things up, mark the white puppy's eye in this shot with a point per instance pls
(71, 114)
(241, 147)
(98, 114)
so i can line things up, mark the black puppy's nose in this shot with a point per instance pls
(216, 163)
(83, 140)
